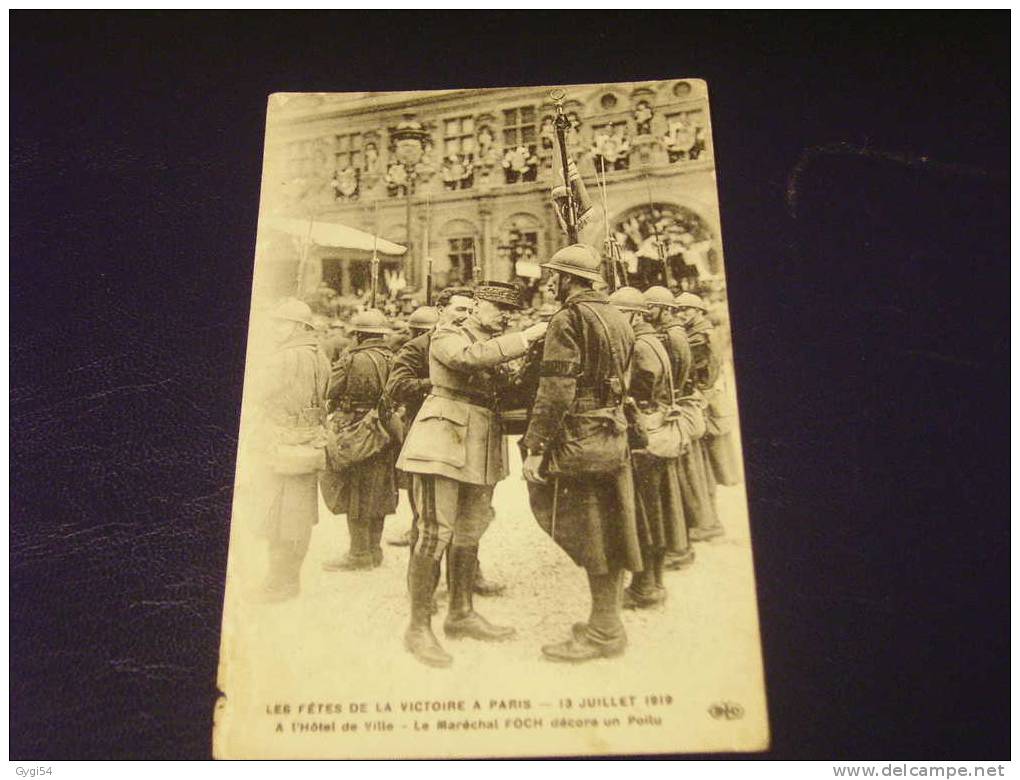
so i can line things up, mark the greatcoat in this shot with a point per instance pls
(367, 489)
(697, 480)
(290, 394)
(592, 517)
(674, 338)
(660, 512)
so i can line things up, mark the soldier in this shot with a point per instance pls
(703, 524)
(659, 506)
(408, 384)
(671, 332)
(590, 515)
(721, 412)
(456, 453)
(367, 491)
(292, 392)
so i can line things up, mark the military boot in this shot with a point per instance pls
(643, 591)
(360, 554)
(679, 559)
(603, 636)
(461, 618)
(423, 574)
(484, 587)
(698, 534)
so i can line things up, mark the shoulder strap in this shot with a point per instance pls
(378, 371)
(667, 369)
(619, 370)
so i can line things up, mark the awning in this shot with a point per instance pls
(333, 234)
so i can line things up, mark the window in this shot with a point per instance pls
(686, 136)
(347, 151)
(519, 126)
(462, 258)
(459, 136)
(611, 148)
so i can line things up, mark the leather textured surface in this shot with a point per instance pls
(869, 312)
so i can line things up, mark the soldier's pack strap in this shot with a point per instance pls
(637, 436)
(348, 401)
(618, 368)
(667, 367)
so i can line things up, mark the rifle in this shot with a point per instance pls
(660, 245)
(428, 254)
(375, 254)
(615, 269)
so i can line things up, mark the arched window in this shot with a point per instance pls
(647, 232)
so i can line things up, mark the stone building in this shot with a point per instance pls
(477, 165)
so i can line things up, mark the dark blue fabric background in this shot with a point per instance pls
(863, 175)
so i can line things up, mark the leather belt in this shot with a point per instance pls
(477, 399)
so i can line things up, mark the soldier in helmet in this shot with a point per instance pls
(291, 401)
(367, 491)
(659, 506)
(591, 516)
(703, 523)
(671, 332)
(456, 453)
(720, 414)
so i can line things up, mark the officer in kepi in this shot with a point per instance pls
(456, 454)
(591, 515)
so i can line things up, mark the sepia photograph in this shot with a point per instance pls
(489, 497)
(509, 385)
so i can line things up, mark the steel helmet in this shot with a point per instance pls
(294, 310)
(659, 296)
(628, 299)
(370, 321)
(577, 260)
(687, 300)
(423, 318)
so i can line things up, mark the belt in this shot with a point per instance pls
(586, 401)
(477, 399)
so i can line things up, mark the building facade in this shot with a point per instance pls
(463, 177)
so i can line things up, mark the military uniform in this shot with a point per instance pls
(290, 398)
(703, 519)
(367, 491)
(455, 445)
(694, 494)
(591, 517)
(456, 453)
(661, 523)
(408, 382)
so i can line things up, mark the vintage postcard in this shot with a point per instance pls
(489, 498)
